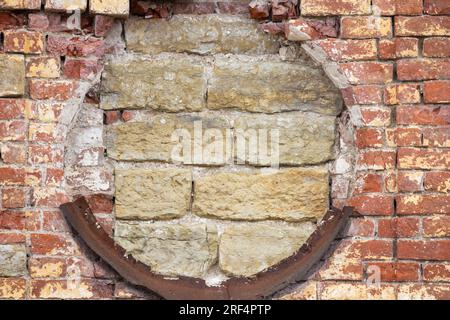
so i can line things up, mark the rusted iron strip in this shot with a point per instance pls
(80, 217)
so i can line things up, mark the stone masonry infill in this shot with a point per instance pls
(195, 215)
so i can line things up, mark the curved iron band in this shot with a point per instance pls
(292, 269)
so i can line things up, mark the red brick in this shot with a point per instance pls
(377, 160)
(299, 30)
(53, 244)
(437, 6)
(42, 67)
(40, 154)
(102, 25)
(232, 8)
(368, 72)
(420, 291)
(11, 109)
(436, 227)
(54, 177)
(349, 50)
(11, 20)
(193, 8)
(436, 47)
(49, 197)
(398, 48)
(11, 238)
(46, 132)
(12, 176)
(361, 228)
(112, 117)
(397, 7)
(45, 267)
(404, 137)
(19, 220)
(23, 41)
(369, 138)
(398, 228)
(62, 289)
(368, 182)
(100, 203)
(422, 26)
(60, 90)
(74, 46)
(360, 95)
(376, 116)
(423, 69)
(437, 92)
(366, 27)
(423, 115)
(436, 137)
(81, 69)
(397, 271)
(409, 181)
(436, 272)
(13, 153)
(415, 158)
(390, 181)
(14, 198)
(45, 111)
(12, 288)
(423, 250)
(15, 130)
(54, 221)
(423, 204)
(376, 205)
(438, 181)
(402, 94)
(38, 21)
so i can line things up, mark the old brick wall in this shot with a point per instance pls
(391, 61)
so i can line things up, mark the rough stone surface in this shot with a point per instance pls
(158, 140)
(110, 7)
(13, 260)
(147, 194)
(12, 68)
(292, 195)
(201, 34)
(304, 138)
(65, 5)
(248, 249)
(20, 4)
(271, 86)
(162, 83)
(170, 249)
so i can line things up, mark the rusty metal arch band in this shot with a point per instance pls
(291, 269)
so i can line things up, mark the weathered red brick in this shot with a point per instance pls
(361, 228)
(14, 198)
(436, 47)
(422, 26)
(52, 89)
(420, 291)
(38, 21)
(42, 67)
(334, 7)
(20, 41)
(349, 50)
(47, 267)
(437, 7)
(376, 205)
(402, 94)
(54, 177)
(398, 228)
(100, 203)
(410, 181)
(439, 272)
(112, 117)
(437, 92)
(398, 48)
(368, 72)
(397, 271)
(20, 220)
(232, 8)
(438, 181)
(404, 137)
(416, 158)
(12, 288)
(13, 153)
(423, 115)
(376, 116)
(369, 138)
(75, 46)
(46, 132)
(397, 7)
(40, 154)
(423, 69)
(63, 289)
(11, 238)
(436, 227)
(361, 95)
(436, 137)
(44, 111)
(423, 204)
(53, 244)
(377, 160)
(366, 27)
(81, 69)
(102, 25)
(54, 221)
(368, 183)
(10, 20)
(423, 250)
(15, 130)
(49, 197)
(12, 109)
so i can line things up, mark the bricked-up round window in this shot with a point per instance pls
(222, 162)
